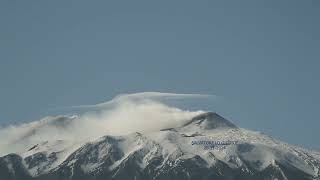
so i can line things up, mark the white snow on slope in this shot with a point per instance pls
(126, 114)
(164, 131)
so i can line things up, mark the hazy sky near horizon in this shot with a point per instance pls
(261, 57)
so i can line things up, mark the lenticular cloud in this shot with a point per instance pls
(140, 112)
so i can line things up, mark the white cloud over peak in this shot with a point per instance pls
(127, 113)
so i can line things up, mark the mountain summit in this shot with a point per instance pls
(206, 147)
(210, 120)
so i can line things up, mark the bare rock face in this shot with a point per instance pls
(11, 167)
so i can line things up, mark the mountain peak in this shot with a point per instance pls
(191, 151)
(210, 120)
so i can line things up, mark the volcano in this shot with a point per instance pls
(169, 153)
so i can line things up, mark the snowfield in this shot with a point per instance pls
(167, 151)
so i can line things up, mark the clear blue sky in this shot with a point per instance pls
(261, 57)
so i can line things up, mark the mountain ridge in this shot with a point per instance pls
(167, 154)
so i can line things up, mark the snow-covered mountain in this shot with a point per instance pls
(206, 146)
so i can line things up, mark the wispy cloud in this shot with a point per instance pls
(143, 96)
(126, 113)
